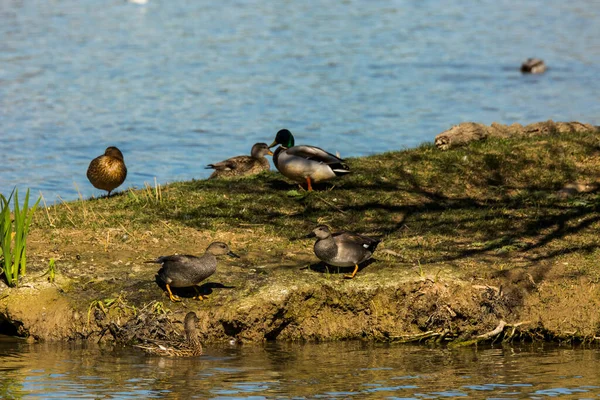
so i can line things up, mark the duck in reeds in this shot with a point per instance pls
(342, 249)
(187, 271)
(303, 163)
(188, 347)
(243, 165)
(107, 171)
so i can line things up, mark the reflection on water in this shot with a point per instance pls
(177, 85)
(330, 370)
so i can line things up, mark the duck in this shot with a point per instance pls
(342, 249)
(243, 165)
(182, 270)
(108, 171)
(305, 163)
(533, 66)
(188, 347)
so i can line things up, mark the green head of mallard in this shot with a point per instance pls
(284, 138)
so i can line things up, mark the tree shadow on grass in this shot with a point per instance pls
(488, 200)
(324, 268)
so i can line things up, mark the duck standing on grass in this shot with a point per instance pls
(342, 249)
(303, 163)
(189, 347)
(243, 165)
(188, 271)
(107, 171)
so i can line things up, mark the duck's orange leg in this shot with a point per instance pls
(171, 296)
(309, 184)
(353, 273)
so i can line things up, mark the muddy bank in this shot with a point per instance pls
(478, 243)
(385, 305)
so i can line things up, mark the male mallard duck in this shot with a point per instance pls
(305, 163)
(243, 165)
(185, 270)
(342, 249)
(189, 347)
(107, 171)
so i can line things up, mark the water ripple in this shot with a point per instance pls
(201, 82)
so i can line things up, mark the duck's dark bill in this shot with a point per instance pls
(232, 254)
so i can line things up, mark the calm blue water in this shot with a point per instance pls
(347, 370)
(179, 84)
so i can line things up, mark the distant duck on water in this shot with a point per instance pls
(533, 66)
(108, 171)
(243, 165)
(188, 347)
(304, 163)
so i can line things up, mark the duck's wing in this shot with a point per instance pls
(314, 153)
(363, 241)
(233, 163)
(158, 349)
(183, 259)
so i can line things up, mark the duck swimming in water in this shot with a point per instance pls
(189, 347)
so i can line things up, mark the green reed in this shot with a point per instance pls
(13, 236)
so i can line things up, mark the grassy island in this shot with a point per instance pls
(495, 240)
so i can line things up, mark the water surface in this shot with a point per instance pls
(286, 371)
(177, 85)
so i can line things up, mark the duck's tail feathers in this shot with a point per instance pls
(340, 168)
(372, 246)
(210, 166)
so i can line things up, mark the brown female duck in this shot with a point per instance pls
(108, 171)
(243, 165)
(188, 347)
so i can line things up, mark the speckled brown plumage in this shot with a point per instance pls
(108, 171)
(243, 165)
(189, 347)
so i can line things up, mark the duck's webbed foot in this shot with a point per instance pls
(198, 295)
(353, 273)
(172, 296)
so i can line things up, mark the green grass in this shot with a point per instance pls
(519, 216)
(486, 202)
(13, 236)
